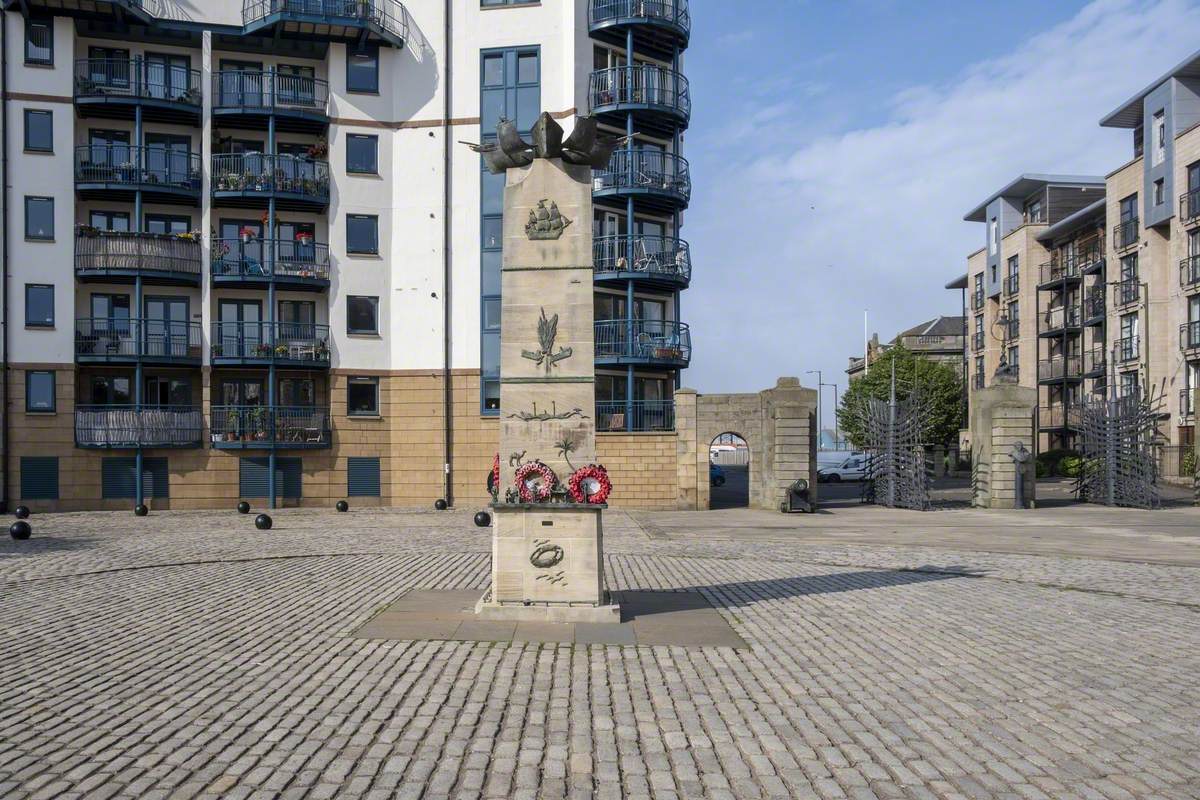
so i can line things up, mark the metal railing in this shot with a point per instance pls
(1127, 292)
(136, 165)
(1059, 318)
(641, 85)
(105, 252)
(977, 340)
(1056, 416)
(260, 172)
(105, 338)
(1125, 234)
(1012, 330)
(137, 78)
(268, 90)
(1189, 335)
(1012, 284)
(639, 416)
(651, 340)
(675, 12)
(1189, 205)
(1054, 271)
(977, 301)
(649, 170)
(1093, 303)
(388, 15)
(134, 426)
(1187, 403)
(1126, 349)
(1095, 361)
(299, 426)
(1060, 368)
(271, 341)
(258, 259)
(654, 256)
(1189, 272)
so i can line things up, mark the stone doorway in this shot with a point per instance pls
(729, 471)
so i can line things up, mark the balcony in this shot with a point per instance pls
(122, 257)
(1012, 285)
(1125, 234)
(658, 98)
(1094, 307)
(662, 181)
(656, 260)
(128, 427)
(656, 24)
(977, 341)
(1059, 320)
(1127, 349)
(1187, 403)
(1060, 368)
(1189, 273)
(108, 172)
(269, 427)
(292, 345)
(1127, 292)
(301, 265)
(639, 416)
(1189, 207)
(643, 341)
(250, 180)
(381, 21)
(248, 100)
(1189, 336)
(129, 341)
(1056, 417)
(1058, 273)
(1095, 363)
(137, 12)
(115, 88)
(1090, 259)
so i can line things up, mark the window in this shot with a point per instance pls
(39, 42)
(362, 234)
(362, 397)
(110, 221)
(362, 314)
(992, 237)
(1160, 195)
(39, 391)
(39, 131)
(362, 154)
(39, 305)
(39, 218)
(1129, 384)
(1159, 132)
(297, 392)
(1014, 357)
(1033, 210)
(362, 70)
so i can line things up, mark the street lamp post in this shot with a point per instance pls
(821, 385)
(819, 420)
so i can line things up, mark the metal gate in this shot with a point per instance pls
(1117, 443)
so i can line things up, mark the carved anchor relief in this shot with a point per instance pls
(547, 333)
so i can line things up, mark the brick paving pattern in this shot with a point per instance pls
(188, 655)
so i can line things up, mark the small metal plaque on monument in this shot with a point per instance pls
(547, 535)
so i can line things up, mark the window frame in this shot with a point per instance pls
(363, 380)
(350, 331)
(350, 249)
(374, 139)
(48, 24)
(45, 325)
(49, 148)
(350, 55)
(29, 237)
(31, 373)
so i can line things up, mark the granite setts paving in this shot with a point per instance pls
(188, 655)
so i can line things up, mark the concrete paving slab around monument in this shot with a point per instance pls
(648, 618)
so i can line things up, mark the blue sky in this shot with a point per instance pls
(835, 147)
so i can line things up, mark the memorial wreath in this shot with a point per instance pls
(582, 480)
(535, 481)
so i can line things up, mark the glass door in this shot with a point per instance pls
(110, 390)
(244, 254)
(241, 84)
(297, 319)
(240, 329)
(166, 324)
(167, 159)
(163, 223)
(109, 156)
(109, 220)
(168, 392)
(295, 85)
(167, 76)
(108, 67)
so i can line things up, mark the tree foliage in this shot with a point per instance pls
(939, 385)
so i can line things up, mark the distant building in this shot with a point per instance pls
(941, 339)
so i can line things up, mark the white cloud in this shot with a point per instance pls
(794, 238)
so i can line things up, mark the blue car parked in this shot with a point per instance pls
(716, 475)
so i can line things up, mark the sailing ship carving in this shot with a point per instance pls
(545, 223)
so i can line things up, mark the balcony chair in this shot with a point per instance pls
(616, 421)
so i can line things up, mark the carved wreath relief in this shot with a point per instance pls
(547, 556)
(547, 333)
(545, 224)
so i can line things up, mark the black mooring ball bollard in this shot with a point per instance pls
(141, 510)
(243, 507)
(342, 505)
(20, 530)
(262, 522)
(483, 519)
(22, 512)
(440, 504)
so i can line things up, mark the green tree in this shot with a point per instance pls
(939, 385)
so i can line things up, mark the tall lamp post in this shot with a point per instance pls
(817, 372)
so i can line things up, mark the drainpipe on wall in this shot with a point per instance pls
(4, 408)
(447, 198)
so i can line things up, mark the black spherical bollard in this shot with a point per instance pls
(440, 504)
(141, 510)
(20, 530)
(262, 522)
(22, 512)
(342, 505)
(483, 519)
(243, 507)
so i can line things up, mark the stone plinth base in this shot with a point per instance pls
(548, 565)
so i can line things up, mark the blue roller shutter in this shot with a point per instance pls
(39, 477)
(253, 477)
(362, 477)
(117, 478)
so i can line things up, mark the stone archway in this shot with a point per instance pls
(729, 486)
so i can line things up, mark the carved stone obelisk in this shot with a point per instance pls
(547, 547)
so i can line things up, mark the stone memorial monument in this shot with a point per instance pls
(547, 534)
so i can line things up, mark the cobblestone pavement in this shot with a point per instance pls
(188, 655)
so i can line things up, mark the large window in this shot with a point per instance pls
(39, 131)
(1159, 132)
(362, 154)
(362, 234)
(39, 391)
(362, 314)
(362, 70)
(39, 42)
(39, 218)
(39, 305)
(362, 397)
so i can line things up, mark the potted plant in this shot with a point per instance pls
(319, 149)
(248, 233)
(281, 351)
(86, 230)
(304, 237)
(217, 350)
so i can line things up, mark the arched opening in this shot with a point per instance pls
(729, 471)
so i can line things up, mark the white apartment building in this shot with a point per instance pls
(247, 255)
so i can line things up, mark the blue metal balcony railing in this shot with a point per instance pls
(100, 339)
(134, 166)
(137, 79)
(242, 427)
(128, 426)
(644, 171)
(258, 260)
(259, 173)
(641, 86)
(388, 16)
(641, 416)
(655, 257)
(292, 343)
(671, 13)
(100, 254)
(645, 341)
(261, 91)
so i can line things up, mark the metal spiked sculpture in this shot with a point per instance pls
(1117, 438)
(897, 474)
(583, 146)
